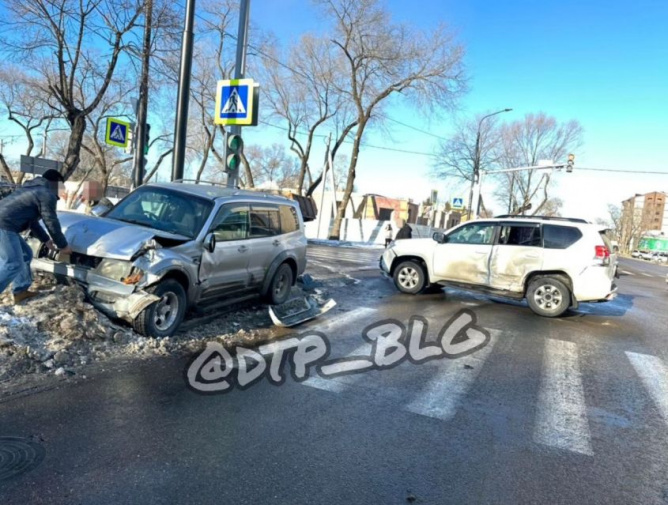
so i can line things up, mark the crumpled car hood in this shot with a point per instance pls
(108, 238)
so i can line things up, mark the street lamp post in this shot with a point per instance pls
(476, 160)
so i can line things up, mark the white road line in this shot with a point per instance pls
(562, 413)
(626, 272)
(442, 396)
(357, 259)
(654, 375)
(345, 318)
(334, 384)
(646, 275)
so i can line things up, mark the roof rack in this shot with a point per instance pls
(195, 181)
(546, 218)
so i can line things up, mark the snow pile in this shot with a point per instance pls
(60, 333)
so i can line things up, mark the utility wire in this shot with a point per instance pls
(362, 144)
(266, 56)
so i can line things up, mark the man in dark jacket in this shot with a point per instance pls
(19, 212)
(404, 232)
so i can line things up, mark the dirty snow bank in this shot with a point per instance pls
(60, 333)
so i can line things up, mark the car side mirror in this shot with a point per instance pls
(210, 242)
(440, 237)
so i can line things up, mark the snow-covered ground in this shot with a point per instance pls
(60, 333)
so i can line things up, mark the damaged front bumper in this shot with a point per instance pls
(114, 298)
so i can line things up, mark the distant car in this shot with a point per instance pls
(636, 254)
(552, 263)
(646, 256)
(167, 247)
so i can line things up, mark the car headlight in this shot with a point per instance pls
(119, 270)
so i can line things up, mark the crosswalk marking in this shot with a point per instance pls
(626, 272)
(334, 384)
(654, 375)
(347, 258)
(646, 275)
(562, 413)
(561, 419)
(442, 396)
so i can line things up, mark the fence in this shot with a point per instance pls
(363, 231)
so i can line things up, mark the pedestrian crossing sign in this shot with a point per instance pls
(117, 132)
(236, 102)
(457, 203)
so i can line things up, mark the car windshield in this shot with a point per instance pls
(164, 210)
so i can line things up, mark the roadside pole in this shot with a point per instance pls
(478, 187)
(139, 160)
(183, 99)
(239, 71)
(324, 186)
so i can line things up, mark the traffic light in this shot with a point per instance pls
(235, 146)
(148, 137)
(571, 162)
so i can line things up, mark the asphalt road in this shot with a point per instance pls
(568, 410)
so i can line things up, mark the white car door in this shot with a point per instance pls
(518, 252)
(465, 255)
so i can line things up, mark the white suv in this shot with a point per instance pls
(552, 262)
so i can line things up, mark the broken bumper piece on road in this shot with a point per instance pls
(298, 311)
(113, 298)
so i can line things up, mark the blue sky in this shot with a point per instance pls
(604, 63)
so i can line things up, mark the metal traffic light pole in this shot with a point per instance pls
(239, 71)
(140, 133)
(183, 99)
(478, 186)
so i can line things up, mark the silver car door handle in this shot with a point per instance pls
(276, 242)
(242, 248)
(532, 256)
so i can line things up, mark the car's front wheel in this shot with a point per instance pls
(548, 296)
(410, 277)
(162, 318)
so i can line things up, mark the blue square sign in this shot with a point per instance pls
(234, 102)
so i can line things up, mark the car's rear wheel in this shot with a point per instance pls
(281, 284)
(548, 296)
(410, 277)
(162, 318)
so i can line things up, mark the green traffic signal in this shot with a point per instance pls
(235, 147)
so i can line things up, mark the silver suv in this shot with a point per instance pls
(554, 263)
(168, 247)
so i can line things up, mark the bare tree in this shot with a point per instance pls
(524, 143)
(273, 167)
(305, 94)
(385, 58)
(631, 222)
(28, 112)
(76, 45)
(456, 155)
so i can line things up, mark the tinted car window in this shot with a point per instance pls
(520, 235)
(231, 223)
(475, 233)
(289, 219)
(265, 221)
(560, 237)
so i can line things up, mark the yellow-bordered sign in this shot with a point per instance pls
(117, 132)
(236, 102)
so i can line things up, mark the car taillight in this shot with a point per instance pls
(602, 253)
